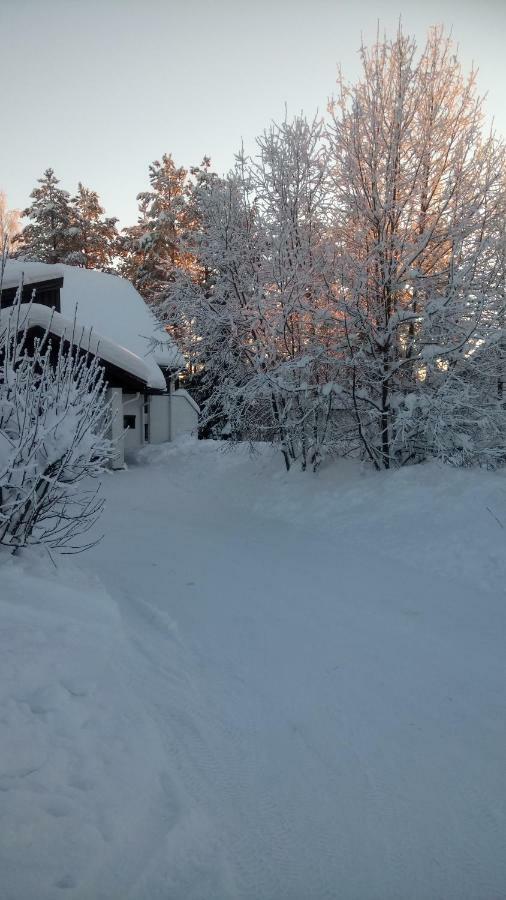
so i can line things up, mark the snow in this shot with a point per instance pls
(80, 761)
(108, 304)
(182, 393)
(34, 314)
(261, 685)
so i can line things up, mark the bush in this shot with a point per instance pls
(54, 421)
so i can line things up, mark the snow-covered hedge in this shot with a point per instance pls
(54, 421)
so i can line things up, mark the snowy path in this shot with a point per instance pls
(332, 713)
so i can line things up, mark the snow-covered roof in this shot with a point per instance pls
(182, 393)
(32, 315)
(109, 305)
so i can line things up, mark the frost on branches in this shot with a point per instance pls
(64, 229)
(54, 420)
(255, 317)
(348, 288)
(150, 250)
(418, 220)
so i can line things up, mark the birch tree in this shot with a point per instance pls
(10, 224)
(417, 196)
(289, 177)
(259, 304)
(347, 291)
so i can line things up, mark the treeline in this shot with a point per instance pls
(74, 230)
(342, 290)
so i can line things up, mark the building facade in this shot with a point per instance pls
(105, 316)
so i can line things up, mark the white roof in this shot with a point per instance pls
(34, 314)
(110, 306)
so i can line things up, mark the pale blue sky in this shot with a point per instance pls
(99, 88)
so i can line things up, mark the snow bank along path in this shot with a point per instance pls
(314, 673)
(81, 761)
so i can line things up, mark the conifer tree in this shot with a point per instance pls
(92, 235)
(151, 248)
(46, 238)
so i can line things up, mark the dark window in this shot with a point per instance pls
(146, 432)
(128, 421)
(47, 293)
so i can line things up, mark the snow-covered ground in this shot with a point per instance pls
(261, 686)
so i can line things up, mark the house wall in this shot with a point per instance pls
(165, 416)
(115, 397)
(184, 414)
(133, 406)
(159, 418)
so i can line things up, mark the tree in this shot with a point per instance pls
(417, 202)
(212, 312)
(290, 180)
(9, 220)
(346, 291)
(151, 249)
(92, 235)
(258, 308)
(46, 238)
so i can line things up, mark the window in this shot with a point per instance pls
(146, 432)
(129, 422)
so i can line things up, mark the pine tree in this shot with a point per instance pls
(151, 249)
(93, 235)
(46, 238)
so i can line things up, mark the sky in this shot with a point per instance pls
(97, 89)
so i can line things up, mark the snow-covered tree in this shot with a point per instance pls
(54, 420)
(92, 235)
(417, 201)
(290, 181)
(74, 231)
(346, 290)
(211, 312)
(47, 238)
(150, 250)
(10, 224)
(260, 304)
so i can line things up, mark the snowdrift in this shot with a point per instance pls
(80, 763)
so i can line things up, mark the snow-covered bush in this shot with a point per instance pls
(54, 419)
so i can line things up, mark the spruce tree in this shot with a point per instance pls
(46, 238)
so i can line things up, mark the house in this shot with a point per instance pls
(105, 315)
